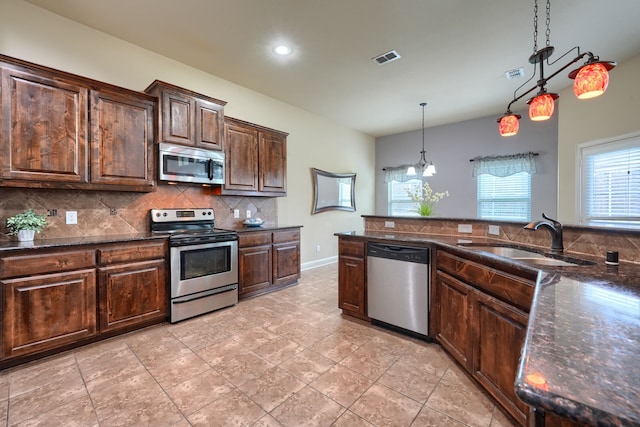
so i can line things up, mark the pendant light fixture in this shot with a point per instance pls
(426, 168)
(590, 79)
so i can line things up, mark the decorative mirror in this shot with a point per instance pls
(333, 191)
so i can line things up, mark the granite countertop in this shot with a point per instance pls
(10, 245)
(580, 357)
(263, 227)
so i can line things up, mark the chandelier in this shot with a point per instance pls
(426, 168)
(590, 79)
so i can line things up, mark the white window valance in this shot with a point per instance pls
(504, 165)
(398, 173)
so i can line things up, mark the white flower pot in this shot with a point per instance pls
(26, 235)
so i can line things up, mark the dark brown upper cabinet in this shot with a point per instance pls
(59, 130)
(188, 118)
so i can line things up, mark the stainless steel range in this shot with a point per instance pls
(203, 261)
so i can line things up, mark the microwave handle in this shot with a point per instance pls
(210, 168)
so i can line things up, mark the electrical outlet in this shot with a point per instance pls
(52, 212)
(389, 224)
(317, 248)
(465, 228)
(72, 217)
(236, 213)
(494, 229)
(248, 213)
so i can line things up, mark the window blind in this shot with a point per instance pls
(400, 203)
(611, 184)
(504, 198)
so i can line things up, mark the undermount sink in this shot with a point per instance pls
(529, 256)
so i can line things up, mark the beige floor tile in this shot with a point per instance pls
(349, 419)
(4, 386)
(342, 384)
(306, 335)
(428, 357)
(369, 363)
(222, 351)
(308, 407)
(267, 421)
(334, 347)
(232, 409)
(116, 363)
(243, 367)
(307, 365)
(198, 391)
(409, 380)
(384, 407)
(153, 410)
(4, 410)
(501, 420)
(77, 413)
(431, 418)
(155, 354)
(43, 399)
(176, 371)
(271, 388)
(278, 350)
(465, 404)
(35, 375)
(254, 337)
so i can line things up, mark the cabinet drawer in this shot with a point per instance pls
(38, 263)
(131, 252)
(355, 248)
(512, 289)
(286, 236)
(254, 238)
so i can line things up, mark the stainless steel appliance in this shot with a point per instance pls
(398, 286)
(203, 261)
(192, 165)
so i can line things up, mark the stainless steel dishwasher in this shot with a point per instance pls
(398, 282)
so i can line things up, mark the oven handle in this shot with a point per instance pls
(206, 294)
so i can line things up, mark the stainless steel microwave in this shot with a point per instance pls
(192, 165)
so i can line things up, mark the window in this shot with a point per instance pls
(504, 198)
(400, 204)
(610, 183)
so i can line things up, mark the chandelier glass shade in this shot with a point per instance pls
(591, 79)
(426, 168)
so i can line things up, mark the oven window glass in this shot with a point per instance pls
(204, 262)
(184, 166)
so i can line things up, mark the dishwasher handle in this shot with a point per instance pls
(398, 253)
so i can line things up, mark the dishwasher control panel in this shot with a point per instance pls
(399, 253)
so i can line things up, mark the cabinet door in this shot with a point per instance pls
(44, 126)
(241, 163)
(272, 163)
(286, 262)
(209, 125)
(500, 334)
(351, 285)
(178, 121)
(47, 311)
(122, 140)
(453, 310)
(132, 294)
(254, 268)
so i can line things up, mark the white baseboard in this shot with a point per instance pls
(318, 263)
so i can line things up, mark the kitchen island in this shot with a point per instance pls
(579, 358)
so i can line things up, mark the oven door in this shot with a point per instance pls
(203, 267)
(184, 164)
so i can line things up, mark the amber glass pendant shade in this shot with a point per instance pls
(541, 107)
(591, 81)
(509, 125)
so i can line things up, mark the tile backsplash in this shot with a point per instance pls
(109, 212)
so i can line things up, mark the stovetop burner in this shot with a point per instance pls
(188, 225)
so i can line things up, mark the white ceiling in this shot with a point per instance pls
(453, 52)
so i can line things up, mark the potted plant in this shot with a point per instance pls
(425, 199)
(26, 224)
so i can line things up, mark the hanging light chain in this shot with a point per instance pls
(535, 26)
(548, 32)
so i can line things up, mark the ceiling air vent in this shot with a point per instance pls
(392, 55)
(514, 74)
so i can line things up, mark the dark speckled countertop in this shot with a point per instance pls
(581, 357)
(75, 241)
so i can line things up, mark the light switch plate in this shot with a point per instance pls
(389, 224)
(494, 229)
(248, 213)
(465, 228)
(236, 213)
(72, 217)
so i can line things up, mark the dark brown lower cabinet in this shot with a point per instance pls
(267, 260)
(57, 298)
(352, 277)
(480, 317)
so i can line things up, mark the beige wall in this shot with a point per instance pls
(33, 34)
(613, 114)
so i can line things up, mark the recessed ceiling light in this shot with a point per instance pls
(283, 50)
